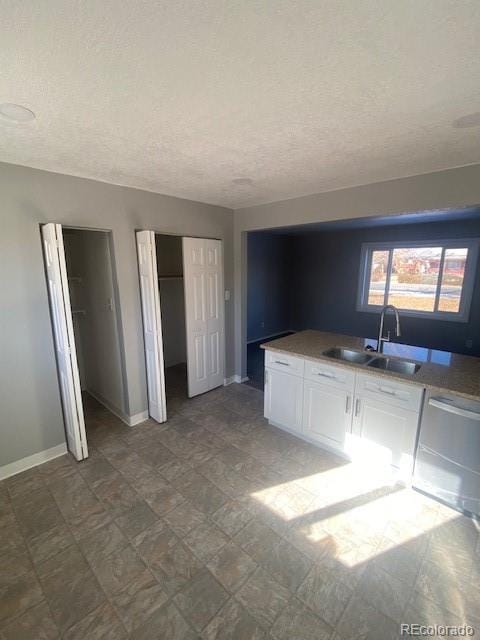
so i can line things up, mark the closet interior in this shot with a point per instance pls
(88, 257)
(169, 252)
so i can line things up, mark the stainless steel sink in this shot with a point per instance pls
(338, 353)
(398, 366)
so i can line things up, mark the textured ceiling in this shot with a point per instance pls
(237, 102)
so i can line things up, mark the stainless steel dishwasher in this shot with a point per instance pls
(447, 464)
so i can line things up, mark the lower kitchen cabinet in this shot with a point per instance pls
(383, 433)
(284, 399)
(327, 413)
(372, 419)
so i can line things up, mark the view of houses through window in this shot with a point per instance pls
(425, 279)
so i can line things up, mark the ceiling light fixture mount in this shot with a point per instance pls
(16, 112)
(243, 182)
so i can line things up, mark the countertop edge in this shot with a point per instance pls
(377, 373)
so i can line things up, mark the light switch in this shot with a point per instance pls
(227, 294)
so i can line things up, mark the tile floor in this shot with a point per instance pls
(218, 526)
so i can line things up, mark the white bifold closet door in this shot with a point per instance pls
(152, 325)
(61, 312)
(204, 311)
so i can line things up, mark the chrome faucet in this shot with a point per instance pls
(381, 337)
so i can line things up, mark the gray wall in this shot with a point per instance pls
(30, 411)
(324, 285)
(450, 189)
(268, 300)
(99, 327)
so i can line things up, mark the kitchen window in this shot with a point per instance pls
(425, 279)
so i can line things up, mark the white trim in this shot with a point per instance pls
(130, 421)
(137, 418)
(234, 379)
(463, 315)
(272, 335)
(34, 460)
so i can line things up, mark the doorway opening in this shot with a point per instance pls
(182, 295)
(84, 309)
(169, 255)
(268, 298)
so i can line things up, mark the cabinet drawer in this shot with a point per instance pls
(389, 391)
(330, 374)
(280, 361)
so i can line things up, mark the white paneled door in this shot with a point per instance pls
(61, 312)
(152, 325)
(204, 311)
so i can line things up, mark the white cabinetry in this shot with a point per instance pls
(284, 399)
(370, 418)
(327, 403)
(385, 423)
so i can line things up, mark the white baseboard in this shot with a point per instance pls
(137, 418)
(272, 335)
(234, 379)
(130, 421)
(18, 466)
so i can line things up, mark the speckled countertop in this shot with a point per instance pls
(440, 370)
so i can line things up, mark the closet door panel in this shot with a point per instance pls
(203, 281)
(59, 297)
(152, 325)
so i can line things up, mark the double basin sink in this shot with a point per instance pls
(406, 367)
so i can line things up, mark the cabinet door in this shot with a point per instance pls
(327, 413)
(283, 399)
(383, 433)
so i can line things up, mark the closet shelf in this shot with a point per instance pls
(80, 312)
(170, 277)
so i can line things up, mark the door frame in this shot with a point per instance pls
(160, 232)
(116, 296)
(66, 333)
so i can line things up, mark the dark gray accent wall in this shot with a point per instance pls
(268, 299)
(324, 284)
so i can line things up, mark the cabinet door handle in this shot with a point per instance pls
(325, 374)
(347, 405)
(389, 390)
(357, 407)
(285, 364)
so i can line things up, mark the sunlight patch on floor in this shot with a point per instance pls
(354, 512)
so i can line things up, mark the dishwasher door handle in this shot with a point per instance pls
(439, 403)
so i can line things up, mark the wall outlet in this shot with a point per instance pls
(227, 295)
(262, 324)
(469, 343)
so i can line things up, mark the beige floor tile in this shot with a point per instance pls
(138, 599)
(118, 569)
(233, 622)
(18, 594)
(136, 519)
(263, 597)
(166, 622)
(101, 624)
(200, 599)
(231, 566)
(205, 541)
(325, 595)
(296, 621)
(35, 624)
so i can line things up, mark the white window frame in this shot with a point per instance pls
(472, 244)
